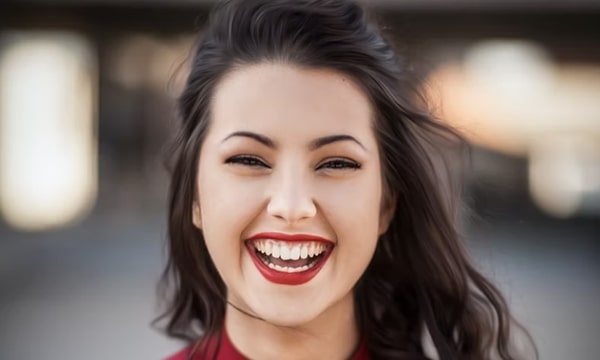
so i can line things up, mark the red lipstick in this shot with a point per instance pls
(280, 276)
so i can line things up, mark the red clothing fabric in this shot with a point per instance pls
(228, 352)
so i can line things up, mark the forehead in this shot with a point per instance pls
(270, 96)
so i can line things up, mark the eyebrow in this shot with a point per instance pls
(326, 140)
(314, 145)
(260, 138)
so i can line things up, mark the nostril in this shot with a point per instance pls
(291, 211)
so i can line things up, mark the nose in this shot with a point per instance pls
(291, 199)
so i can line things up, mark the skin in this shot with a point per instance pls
(291, 186)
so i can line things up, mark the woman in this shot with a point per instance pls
(306, 218)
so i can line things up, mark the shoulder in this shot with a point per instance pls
(216, 347)
(192, 352)
(196, 351)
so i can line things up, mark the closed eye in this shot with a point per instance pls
(339, 164)
(247, 160)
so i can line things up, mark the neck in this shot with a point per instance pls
(332, 335)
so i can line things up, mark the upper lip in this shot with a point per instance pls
(288, 237)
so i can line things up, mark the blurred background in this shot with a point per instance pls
(87, 91)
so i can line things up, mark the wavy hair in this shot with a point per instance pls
(420, 278)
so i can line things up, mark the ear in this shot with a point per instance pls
(196, 215)
(388, 209)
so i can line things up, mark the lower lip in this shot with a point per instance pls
(285, 278)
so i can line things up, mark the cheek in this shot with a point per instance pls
(226, 211)
(227, 207)
(353, 211)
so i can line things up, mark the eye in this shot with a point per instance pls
(339, 164)
(247, 160)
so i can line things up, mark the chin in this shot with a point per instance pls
(289, 321)
(293, 316)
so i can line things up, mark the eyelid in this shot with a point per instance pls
(244, 160)
(349, 164)
(253, 161)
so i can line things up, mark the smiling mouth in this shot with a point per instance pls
(290, 257)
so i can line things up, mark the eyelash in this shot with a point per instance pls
(333, 164)
(339, 164)
(247, 160)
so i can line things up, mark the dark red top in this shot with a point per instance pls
(228, 352)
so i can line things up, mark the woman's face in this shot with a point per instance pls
(289, 190)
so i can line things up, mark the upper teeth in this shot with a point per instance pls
(289, 251)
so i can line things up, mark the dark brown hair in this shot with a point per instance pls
(420, 277)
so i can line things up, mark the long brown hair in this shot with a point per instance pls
(420, 278)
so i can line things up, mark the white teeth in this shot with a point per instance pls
(284, 252)
(295, 253)
(304, 252)
(312, 249)
(290, 269)
(289, 251)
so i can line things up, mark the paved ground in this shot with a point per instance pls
(88, 292)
